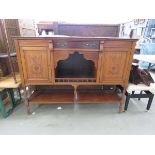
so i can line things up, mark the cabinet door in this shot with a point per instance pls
(36, 64)
(113, 66)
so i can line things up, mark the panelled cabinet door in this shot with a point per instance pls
(113, 66)
(36, 63)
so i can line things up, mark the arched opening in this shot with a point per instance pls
(75, 66)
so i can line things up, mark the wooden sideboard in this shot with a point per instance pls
(50, 64)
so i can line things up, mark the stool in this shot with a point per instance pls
(149, 93)
(12, 101)
(8, 84)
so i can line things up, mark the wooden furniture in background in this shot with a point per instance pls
(82, 30)
(14, 27)
(8, 64)
(4, 63)
(8, 29)
(53, 63)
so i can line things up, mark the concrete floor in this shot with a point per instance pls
(81, 119)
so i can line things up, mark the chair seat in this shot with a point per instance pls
(131, 93)
(8, 82)
(141, 87)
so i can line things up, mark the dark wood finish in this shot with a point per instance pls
(40, 57)
(89, 30)
(83, 30)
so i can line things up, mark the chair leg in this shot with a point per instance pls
(149, 102)
(127, 102)
(140, 93)
(19, 93)
(2, 107)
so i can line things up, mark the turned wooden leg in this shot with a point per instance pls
(120, 107)
(122, 101)
(26, 101)
(75, 94)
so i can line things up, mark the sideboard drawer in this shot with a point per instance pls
(77, 44)
(117, 44)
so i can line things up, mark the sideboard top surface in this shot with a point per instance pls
(74, 38)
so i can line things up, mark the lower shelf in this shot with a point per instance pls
(67, 97)
(98, 97)
(51, 97)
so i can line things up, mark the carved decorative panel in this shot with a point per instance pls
(36, 67)
(36, 64)
(113, 66)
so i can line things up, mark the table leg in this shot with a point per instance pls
(26, 101)
(75, 94)
(122, 101)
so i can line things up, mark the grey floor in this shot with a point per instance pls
(81, 119)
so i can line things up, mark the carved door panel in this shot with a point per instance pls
(36, 63)
(113, 66)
